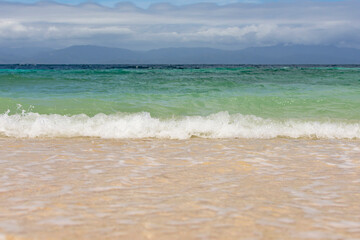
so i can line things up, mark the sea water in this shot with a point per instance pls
(180, 102)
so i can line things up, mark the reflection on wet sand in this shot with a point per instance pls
(179, 189)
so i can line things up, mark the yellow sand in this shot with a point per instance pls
(173, 189)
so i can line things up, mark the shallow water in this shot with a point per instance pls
(275, 92)
(88, 188)
(180, 102)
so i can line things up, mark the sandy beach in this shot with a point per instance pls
(88, 188)
(179, 120)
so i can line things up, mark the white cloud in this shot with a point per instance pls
(10, 28)
(206, 24)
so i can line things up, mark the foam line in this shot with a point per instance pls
(142, 125)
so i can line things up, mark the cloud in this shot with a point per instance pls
(231, 26)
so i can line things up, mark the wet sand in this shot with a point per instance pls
(179, 189)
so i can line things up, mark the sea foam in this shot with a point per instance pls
(143, 125)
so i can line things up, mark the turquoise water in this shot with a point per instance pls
(272, 96)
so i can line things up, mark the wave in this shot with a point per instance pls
(142, 125)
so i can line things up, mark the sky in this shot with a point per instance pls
(147, 3)
(142, 24)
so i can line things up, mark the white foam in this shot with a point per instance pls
(142, 125)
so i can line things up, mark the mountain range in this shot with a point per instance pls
(87, 54)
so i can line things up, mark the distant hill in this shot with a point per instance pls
(188, 56)
(87, 55)
(256, 55)
(301, 55)
(21, 55)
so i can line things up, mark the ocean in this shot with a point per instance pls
(179, 152)
(180, 102)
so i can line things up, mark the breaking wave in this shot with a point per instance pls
(142, 125)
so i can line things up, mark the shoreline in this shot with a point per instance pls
(89, 188)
